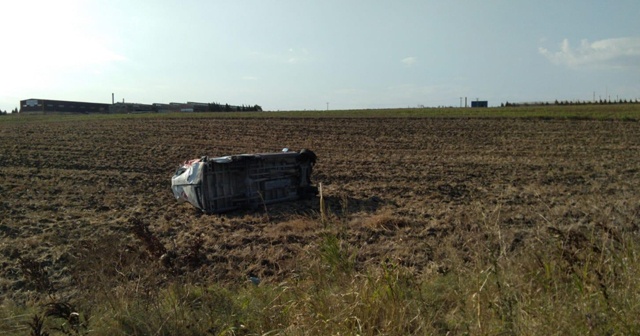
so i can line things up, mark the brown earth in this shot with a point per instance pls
(77, 198)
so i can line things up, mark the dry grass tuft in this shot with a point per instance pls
(385, 220)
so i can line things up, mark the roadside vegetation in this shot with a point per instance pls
(562, 281)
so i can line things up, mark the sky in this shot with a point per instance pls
(318, 55)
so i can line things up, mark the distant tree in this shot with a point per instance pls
(257, 108)
(214, 107)
(15, 110)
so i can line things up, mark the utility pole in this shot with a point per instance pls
(327, 106)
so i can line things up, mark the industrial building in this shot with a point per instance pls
(44, 106)
(480, 103)
(131, 108)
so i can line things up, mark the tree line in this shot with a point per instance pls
(574, 102)
(216, 107)
(15, 110)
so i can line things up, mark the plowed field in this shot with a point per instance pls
(74, 192)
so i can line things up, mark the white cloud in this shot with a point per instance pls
(298, 55)
(609, 53)
(291, 56)
(409, 61)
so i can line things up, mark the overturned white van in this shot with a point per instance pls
(220, 184)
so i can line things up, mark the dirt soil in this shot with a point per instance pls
(73, 191)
